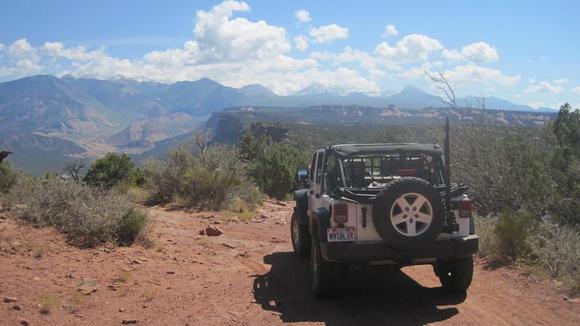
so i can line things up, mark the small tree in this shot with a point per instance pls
(74, 169)
(110, 170)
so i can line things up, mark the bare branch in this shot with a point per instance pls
(444, 86)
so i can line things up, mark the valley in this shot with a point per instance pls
(69, 118)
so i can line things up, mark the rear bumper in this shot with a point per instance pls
(352, 252)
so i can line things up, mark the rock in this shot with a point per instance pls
(170, 272)
(217, 222)
(213, 231)
(87, 287)
(280, 203)
(16, 307)
(121, 309)
(263, 216)
(202, 232)
(24, 322)
(9, 299)
(229, 245)
(129, 321)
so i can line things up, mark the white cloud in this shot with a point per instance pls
(221, 38)
(349, 55)
(413, 47)
(329, 33)
(477, 52)
(22, 59)
(452, 55)
(301, 42)
(302, 15)
(575, 90)
(390, 30)
(543, 87)
(480, 52)
(476, 76)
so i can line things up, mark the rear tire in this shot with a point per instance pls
(455, 274)
(324, 274)
(300, 237)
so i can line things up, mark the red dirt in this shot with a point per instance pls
(247, 276)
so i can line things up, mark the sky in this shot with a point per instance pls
(524, 51)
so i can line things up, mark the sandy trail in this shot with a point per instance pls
(247, 276)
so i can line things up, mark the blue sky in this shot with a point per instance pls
(525, 51)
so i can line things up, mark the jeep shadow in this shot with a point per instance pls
(368, 296)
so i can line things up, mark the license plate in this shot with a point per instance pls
(340, 234)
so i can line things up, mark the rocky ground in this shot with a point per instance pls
(245, 276)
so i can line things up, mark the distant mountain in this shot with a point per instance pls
(414, 98)
(89, 117)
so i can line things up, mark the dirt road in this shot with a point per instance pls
(247, 276)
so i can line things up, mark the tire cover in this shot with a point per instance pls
(385, 201)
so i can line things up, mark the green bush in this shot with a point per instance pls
(86, 215)
(272, 165)
(7, 177)
(111, 170)
(130, 226)
(512, 231)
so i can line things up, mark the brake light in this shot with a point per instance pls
(465, 208)
(340, 213)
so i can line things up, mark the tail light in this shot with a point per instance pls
(465, 208)
(340, 213)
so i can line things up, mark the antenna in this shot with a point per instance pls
(450, 218)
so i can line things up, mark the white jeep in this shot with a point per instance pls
(373, 204)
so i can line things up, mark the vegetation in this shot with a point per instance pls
(110, 171)
(86, 215)
(212, 179)
(7, 177)
(272, 165)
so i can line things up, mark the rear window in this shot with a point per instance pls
(375, 171)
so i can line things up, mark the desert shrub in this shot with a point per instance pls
(488, 244)
(111, 170)
(208, 180)
(238, 205)
(512, 230)
(130, 226)
(87, 216)
(249, 193)
(556, 248)
(7, 177)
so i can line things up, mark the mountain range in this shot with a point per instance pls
(69, 117)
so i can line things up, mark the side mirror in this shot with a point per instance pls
(302, 175)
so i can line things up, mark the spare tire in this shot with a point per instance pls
(408, 213)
